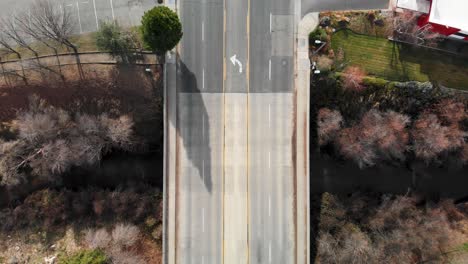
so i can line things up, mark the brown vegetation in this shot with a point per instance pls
(329, 122)
(352, 78)
(50, 141)
(372, 229)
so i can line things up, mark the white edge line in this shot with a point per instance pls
(79, 18)
(95, 14)
(112, 8)
(203, 30)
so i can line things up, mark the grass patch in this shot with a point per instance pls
(397, 62)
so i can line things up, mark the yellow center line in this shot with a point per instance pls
(247, 68)
(224, 130)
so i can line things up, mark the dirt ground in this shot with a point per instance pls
(108, 87)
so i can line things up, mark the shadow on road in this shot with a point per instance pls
(196, 120)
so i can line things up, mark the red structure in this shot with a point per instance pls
(447, 13)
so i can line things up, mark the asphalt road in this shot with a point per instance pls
(88, 14)
(328, 5)
(235, 110)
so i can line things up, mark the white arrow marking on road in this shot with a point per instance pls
(234, 60)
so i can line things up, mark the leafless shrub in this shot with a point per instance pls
(430, 138)
(97, 238)
(394, 231)
(51, 141)
(324, 63)
(125, 235)
(450, 111)
(354, 146)
(352, 78)
(328, 124)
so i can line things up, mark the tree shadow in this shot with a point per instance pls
(194, 129)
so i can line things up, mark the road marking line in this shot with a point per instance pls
(112, 8)
(270, 22)
(269, 115)
(203, 219)
(269, 159)
(79, 18)
(203, 31)
(269, 69)
(203, 78)
(95, 14)
(269, 252)
(269, 205)
(202, 259)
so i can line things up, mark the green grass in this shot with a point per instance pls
(397, 62)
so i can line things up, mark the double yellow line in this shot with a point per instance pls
(247, 69)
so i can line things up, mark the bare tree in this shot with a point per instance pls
(23, 22)
(406, 29)
(6, 43)
(55, 24)
(431, 138)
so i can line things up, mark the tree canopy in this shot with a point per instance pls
(161, 29)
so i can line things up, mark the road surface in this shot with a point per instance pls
(89, 14)
(329, 5)
(232, 118)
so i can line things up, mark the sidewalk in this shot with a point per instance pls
(302, 90)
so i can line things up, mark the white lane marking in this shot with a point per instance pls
(69, 5)
(270, 22)
(269, 115)
(269, 159)
(203, 259)
(203, 219)
(203, 170)
(269, 69)
(203, 31)
(203, 78)
(269, 252)
(112, 8)
(203, 127)
(269, 205)
(79, 18)
(95, 14)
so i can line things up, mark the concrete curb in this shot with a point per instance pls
(302, 88)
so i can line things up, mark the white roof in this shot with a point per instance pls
(416, 5)
(452, 13)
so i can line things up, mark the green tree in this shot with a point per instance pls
(119, 42)
(161, 29)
